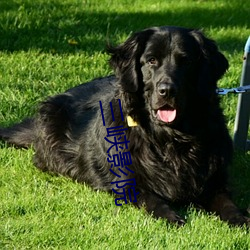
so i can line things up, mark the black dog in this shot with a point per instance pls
(175, 147)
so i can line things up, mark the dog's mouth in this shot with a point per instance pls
(165, 114)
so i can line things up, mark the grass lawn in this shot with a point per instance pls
(47, 47)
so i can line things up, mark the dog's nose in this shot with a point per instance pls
(166, 89)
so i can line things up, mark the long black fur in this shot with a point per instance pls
(177, 162)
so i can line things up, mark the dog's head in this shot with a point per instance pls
(173, 68)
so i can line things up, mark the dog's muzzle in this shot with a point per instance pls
(167, 112)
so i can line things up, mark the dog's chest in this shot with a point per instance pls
(177, 172)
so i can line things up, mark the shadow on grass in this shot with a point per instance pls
(50, 26)
(240, 179)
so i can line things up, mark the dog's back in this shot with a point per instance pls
(88, 95)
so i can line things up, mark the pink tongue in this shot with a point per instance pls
(166, 115)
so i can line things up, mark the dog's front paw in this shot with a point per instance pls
(170, 215)
(239, 220)
(235, 217)
(177, 220)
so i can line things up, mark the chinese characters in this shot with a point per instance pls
(120, 160)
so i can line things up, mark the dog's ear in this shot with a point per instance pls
(212, 62)
(125, 60)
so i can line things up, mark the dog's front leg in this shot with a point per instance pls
(159, 208)
(223, 206)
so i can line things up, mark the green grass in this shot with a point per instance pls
(37, 59)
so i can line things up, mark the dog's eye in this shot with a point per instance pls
(152, 61)
(182, 59)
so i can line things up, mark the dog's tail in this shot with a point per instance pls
(21, 135)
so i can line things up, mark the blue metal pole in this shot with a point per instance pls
(243, 109)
